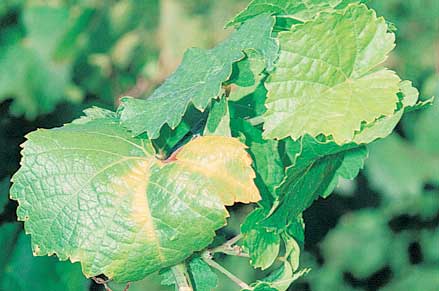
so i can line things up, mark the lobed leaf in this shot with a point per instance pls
(328, 81)
(301, 10)
(89, 192)
(198, 79)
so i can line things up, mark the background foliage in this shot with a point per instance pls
(59, 57)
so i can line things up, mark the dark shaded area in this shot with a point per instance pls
(373, 282)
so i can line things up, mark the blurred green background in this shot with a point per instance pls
(379, 232)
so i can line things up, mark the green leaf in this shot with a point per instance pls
(204, 279)
(353, 162)
(328, 81)
(90, 192)
(25, 272)
(249, 106)
(300, 188)
(267, 160)
(301, 10)
(198, 79)
(279, 280)
(292, 250)
(218, 122)
(262, 245)
(384, 126)
(247, 75)
(315, 169)
(309, 149)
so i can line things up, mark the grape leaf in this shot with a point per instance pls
(247, 75)
(314, 171)
(90, 192)
(25, 272)
(267, 160)
(384, 126)
(262, 245)
(218, 122)
(300, 188)
(327, 81)
(301, 10)
(279, 280)
(198, 79)
(353, 162)
(309, 149)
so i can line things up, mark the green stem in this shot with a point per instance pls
(231, 276)
(181, 277)
(228, 248)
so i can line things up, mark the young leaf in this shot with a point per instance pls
(328, 81)
(90, 192)
(262, 245)
(300, 10)
(198, 79)
(384, 126)
(279, 280)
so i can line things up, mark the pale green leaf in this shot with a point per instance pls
(301, 10)
(280, 279)
(90, 192)
(198, 79)
(384, 126)
(328, 81)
